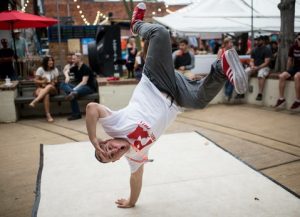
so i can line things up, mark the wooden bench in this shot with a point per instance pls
(26, 89)
(57, 98)
(25, 96)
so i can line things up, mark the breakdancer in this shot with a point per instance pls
(155, 103)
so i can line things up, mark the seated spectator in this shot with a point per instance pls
(202, 48)
(184, 60)
(140, 60)
(131, 54)
(6, 61)
(84, 84)
(274, 49)
(227, 44)
(259, 63)
(45, 79)
(293, 69)
(68, 75)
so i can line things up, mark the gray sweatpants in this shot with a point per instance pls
(159, 68)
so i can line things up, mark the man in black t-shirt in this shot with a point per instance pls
(6, 61)
(293, 69)
(85, 84)
(259, 63)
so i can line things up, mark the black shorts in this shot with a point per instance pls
(293, 70)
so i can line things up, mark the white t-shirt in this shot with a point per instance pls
(142, 122)
(49, 75)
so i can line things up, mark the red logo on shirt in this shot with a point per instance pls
(141, 136)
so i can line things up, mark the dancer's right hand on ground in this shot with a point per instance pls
(97, 144)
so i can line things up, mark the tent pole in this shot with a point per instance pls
(59, 35)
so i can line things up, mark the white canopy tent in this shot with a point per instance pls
(220, 16)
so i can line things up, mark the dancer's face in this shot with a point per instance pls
(113, 150)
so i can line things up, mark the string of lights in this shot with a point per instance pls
(25, 5)
(99, 15)
(159, 10)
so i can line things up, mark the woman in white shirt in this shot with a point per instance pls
(45, 79)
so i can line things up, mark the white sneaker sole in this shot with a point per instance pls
(240, 78)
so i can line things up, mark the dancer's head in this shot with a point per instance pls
(112, 150)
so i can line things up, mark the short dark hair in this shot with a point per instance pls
(99, 158)
(183, 41)
(45, 63)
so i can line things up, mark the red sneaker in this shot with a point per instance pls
(138, 14)
(234, 71)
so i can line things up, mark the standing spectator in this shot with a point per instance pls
(140, 60)
(227, 44)
(21, 44)
(202, 47)
(85, 84)
(259, 63)
(184, 60)
(131, 54)
(293, 69)
(6, 61)
(174, 43)
(45, 79)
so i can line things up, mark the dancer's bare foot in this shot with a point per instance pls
(49, 118)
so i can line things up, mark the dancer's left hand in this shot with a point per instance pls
(123, 203)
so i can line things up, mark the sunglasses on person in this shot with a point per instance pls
(298, 39)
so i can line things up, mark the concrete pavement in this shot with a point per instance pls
(267, 140)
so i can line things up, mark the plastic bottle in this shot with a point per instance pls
(7, 80)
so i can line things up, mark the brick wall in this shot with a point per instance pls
(90, 9)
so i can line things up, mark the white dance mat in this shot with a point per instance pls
(190, 176)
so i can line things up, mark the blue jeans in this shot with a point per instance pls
(81, 91)
(228, 89)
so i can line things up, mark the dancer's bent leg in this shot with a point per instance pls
(197, 94)
(159, 64)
